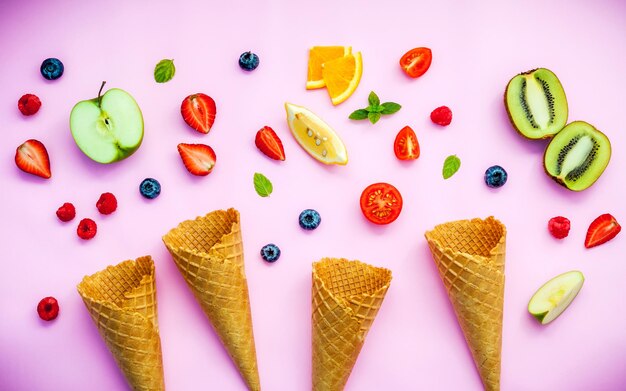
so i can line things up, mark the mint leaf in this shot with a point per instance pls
(374, 111)
(358, 114)
(390, 108)
(262, 185)
(373, 100)
(450, 166)
(373, 117)
(164, 71)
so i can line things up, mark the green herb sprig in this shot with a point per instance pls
(375, 110)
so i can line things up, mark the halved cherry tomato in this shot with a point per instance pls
(381, 203)
(406, 146)
(416, 61)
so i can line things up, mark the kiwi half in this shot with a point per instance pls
(536, 103)
(577, 156)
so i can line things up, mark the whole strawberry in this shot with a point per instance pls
(66, 212)
(559, 227)
(29, 104)
(107, 203)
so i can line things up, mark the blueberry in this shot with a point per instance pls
(150, 188)
(495, 176)
(52, 68)
(310, 219)
(248, 61)
(270, 252)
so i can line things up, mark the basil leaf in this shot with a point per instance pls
(262, 185)
(359, 114)
(390, 108)
(373, 100)
(373, 117)
(450, 166)
(164, 71)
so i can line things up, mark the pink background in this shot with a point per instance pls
(415, 342)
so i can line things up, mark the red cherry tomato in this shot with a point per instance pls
(406, 146)
(381, 203)
(416, 61)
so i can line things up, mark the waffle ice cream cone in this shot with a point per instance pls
(121, 300)
(346, 299)
(208, 251)
(470, 257)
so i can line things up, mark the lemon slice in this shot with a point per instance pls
(318, 55)
(342, 76)
(315, 136)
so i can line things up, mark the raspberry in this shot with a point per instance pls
(66, 212)
(87, 229)
(29, 104)
(559, 227)
(107, 203)
(48, 308)
(441, 116)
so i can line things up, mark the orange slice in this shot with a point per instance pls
(315, 136)
(318, 55)
(342, 76)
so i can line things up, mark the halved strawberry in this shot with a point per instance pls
(601, 230)
(32, 157)
(199, 111)
(269, 143)
(199, 159)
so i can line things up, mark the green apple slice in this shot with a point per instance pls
(108, 128)
(555, 296)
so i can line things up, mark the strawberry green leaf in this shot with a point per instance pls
(390, 108)
(359, 114)
(164, 71)
(373, 100)
(373, 117)
(450, 166)
(262, 185)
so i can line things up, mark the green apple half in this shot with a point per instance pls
(555, 296)
(108, 128)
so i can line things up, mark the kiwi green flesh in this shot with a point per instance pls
(536, 104)
(577, 156)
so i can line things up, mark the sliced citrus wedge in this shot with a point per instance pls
(315, 136)
(318, 55)
(342, 76)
